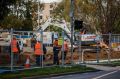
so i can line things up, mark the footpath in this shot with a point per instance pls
(104, 68)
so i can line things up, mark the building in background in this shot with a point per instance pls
(44, 12)
(47, 11)
(48, 7)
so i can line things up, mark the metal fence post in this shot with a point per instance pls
(97, 55)
(82, 56)
(41, 31)
(63, 49)
(79, 47)
(109, 47)
(11, 50)
(72, 27)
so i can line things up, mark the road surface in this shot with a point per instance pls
(105, 73)
(91, 75)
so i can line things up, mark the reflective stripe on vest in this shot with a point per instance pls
(38, 50)
(14, 46)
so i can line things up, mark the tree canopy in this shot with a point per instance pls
(97, 15)
(100, 15)
(18, 14)
(4, 9)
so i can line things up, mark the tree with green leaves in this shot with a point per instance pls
(4, 7)
(20, 16)
(11, 21)
(108, 15)
(28, 18)
(100, 15)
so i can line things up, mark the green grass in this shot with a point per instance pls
(45, 72)
(112, 63)
(116, 63)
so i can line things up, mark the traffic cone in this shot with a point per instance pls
(27, 64)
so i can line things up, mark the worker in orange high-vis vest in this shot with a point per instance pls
(65, 48)
(15, 50)
(38, 53)
(56, 50)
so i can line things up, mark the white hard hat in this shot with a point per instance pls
(65, 38)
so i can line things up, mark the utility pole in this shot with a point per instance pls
(72, 28)
(38, 14)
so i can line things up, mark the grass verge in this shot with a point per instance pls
(45, 72)
(115, 63)
(112, 63)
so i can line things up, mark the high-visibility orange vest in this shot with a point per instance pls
(38, 49)
(65, 46)
(14, 46)
(55, 43)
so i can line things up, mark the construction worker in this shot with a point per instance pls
(33, 41)
(65, 48)
(56, 52)
(38, 53)
(15, 49)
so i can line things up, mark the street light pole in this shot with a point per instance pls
(72, 27)
(38, 14)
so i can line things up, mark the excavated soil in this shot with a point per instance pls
(5, 58)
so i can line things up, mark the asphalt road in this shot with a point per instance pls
(112, 75)
(92, 75)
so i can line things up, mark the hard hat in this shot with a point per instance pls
(65, 38)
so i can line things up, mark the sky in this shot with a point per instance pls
(49, 1)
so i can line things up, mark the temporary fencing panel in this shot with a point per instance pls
(107, 47)
(26, 41)
(115, 42)
(5, 55)
(87, 48)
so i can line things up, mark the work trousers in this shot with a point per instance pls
(39, 60)
(65, 53)
(15, 58)
(56, 58)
